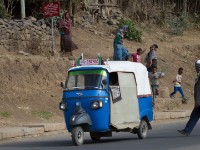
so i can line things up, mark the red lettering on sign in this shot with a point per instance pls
(84, 62)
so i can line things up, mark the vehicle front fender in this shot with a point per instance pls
(78, 119)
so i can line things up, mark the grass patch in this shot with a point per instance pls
(5, 114)
(43, 114)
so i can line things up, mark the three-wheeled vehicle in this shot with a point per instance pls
(100, 99)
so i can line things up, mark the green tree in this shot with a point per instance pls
(3, 11)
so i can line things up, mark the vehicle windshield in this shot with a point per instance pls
(86, 79)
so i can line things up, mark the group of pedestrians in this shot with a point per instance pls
(121, 53)
(151, 60)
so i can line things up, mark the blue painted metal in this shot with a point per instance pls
(146, 107)
(100, 117)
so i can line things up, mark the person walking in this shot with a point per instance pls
(66, 43)
(195, 115)
(120, 52)
(177, 86)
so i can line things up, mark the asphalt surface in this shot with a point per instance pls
(163, 136)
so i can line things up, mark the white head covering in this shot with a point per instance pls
(197, 66)
(198, 61)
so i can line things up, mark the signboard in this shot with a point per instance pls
(84, 62)
(51, 9)
(116, 94)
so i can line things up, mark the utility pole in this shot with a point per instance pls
(23, 13)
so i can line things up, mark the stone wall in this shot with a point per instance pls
(28, 35)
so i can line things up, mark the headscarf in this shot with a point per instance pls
(197, 67)
(122, 30)
(120, 35)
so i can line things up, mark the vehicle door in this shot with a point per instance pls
(124, 102)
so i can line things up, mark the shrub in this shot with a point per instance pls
(3, 11)
(180, 24)
(133, 34)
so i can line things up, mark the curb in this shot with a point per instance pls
(45, 128)
(175, 114)
(32, 129)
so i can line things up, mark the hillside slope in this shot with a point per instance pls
(30, 85)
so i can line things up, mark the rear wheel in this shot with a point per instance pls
(77, 136)
(94, 137)
(142, 131)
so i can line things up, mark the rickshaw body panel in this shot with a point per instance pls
(146, 108)
(99, 117)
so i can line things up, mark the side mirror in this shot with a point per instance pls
(62, 85)
(104, 82)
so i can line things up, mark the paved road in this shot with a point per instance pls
(163, 136)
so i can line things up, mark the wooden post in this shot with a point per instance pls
(52, 32)
(22, 4)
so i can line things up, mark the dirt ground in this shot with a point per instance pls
(30, 85)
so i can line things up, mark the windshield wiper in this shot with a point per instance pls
(78, 88)
(91, 87)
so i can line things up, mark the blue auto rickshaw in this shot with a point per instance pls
(101, 99)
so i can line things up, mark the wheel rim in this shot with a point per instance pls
(144, 129)
(79, 136)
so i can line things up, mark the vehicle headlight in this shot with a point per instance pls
(63, 106)
(96, 104)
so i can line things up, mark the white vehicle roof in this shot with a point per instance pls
(140, 71)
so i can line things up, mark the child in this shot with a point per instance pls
(137, 56)
(154, 77)
(177, 85)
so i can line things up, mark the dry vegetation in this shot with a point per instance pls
(30, 84)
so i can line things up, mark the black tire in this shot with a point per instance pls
(142, 131)
(77, 136)
(94, 137)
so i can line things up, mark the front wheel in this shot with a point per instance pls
(142, 130)
(77, 136)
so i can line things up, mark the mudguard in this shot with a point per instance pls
(78, 119)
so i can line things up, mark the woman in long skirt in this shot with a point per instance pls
(66, 43)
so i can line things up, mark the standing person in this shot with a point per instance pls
(137, 56)
(151, 58)
(120, 52)
(177, 86)
(66, 43)
(195, 115)
(154, 77)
